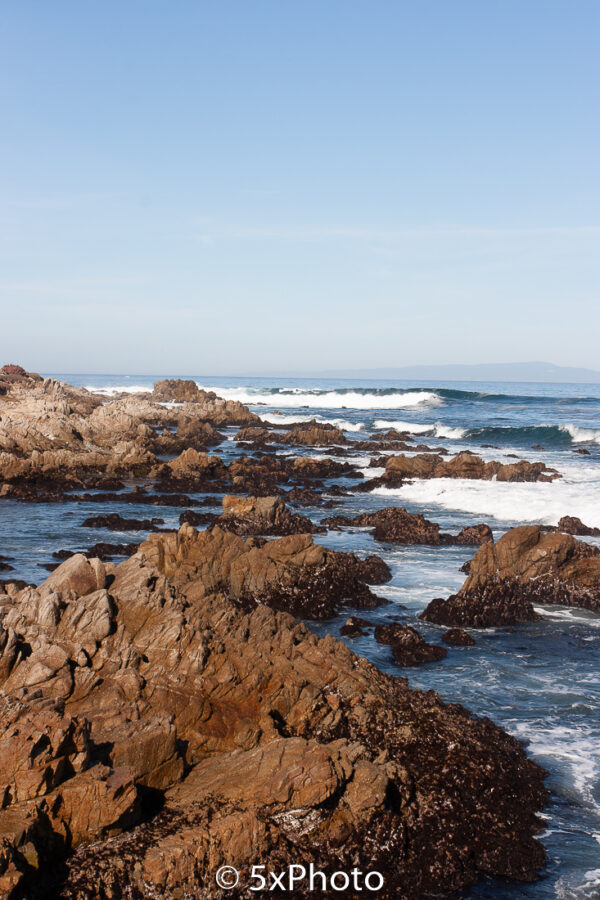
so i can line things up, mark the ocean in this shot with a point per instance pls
(541, 681)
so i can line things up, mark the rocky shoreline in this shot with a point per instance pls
(168, 714)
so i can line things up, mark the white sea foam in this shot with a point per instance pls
(437, 429)
(541, 502)
(300, 397)
(581, 435)
(119, 389)
(281, 419)
(579, 887)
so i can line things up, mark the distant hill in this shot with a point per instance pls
(527, 371)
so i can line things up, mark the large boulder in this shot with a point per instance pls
(527, 566)
(263, 515)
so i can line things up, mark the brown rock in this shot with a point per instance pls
(77, 574)
(464, 465)
(354, 626)
(394, 525)
(314, 434)
(289, 740)
(458, 638)
(527, 566)
(263, 515)
(408, 646)
(291, 573)
(573, 525)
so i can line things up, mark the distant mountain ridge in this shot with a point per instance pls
(527, 371)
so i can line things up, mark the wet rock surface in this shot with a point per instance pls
(458, 638)
(408, 647)
(396, 525)
(116, 522)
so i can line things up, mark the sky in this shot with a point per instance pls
(252, 186)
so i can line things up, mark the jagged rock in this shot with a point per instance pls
(314, 434)
(263, 515)
(408, 647)
(177, 390)
(573, 525)
(54, 435)
(78, 574)
(291, 744)
(291, 573)
(527, 566)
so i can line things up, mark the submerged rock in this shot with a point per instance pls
(354, 626)
(408, 647)
(458, 638)
(116, 522)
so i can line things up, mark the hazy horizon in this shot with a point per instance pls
(492, 372)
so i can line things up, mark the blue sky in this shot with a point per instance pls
(263, 185)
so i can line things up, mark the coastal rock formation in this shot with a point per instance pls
(55, 435)
(314, 434)
(408, 647)
(398, 526)
(210, 407)
(399, 469)
(527, 566)
(573, 525)
(291, 574)
(263, 515)
(150, 722)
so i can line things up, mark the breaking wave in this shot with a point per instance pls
(351, 398)
(554, 436)
(512, 502)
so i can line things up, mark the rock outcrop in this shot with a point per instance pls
(291, 573)
(399, 469)
(151, 731)
(54, 435)
(526, 566)
(408, 647)
(263, 516)
(573, 525)
(398, 526)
